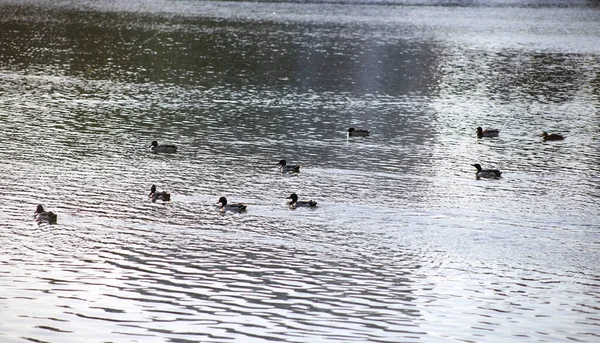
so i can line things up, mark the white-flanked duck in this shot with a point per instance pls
(487, 132)
(486, 173)
(44, 216)
(300, 203)
(352, 132)
(162, 148)
(551, 137)
(154, 195)
(286, 168)
(235, 207)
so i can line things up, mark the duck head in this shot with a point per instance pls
(477, 166)
(294, 197)
(282, 163)
(154, 144)
(39, 209)
(351, 129)
(222, 201)
(152, 189)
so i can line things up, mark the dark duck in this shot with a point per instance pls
(486, 173)
(300, 203)
(154, 195)
(352, 132)
(225, 206)
(42, 216)
(286, 168)
(154, 147)
(551, 137)
(487, 132)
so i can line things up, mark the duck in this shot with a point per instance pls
(352, 132)
(44, 216)
(487, 132)
(285, 168)
(236, 207)
(162, 148)
(302, 203)
(486, 173)
(164, 196)
(551, 137)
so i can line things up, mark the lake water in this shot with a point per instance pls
(405, 245)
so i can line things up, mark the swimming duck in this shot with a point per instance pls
(162, 148)
(164, 196)
(487, 173)
(352, 132)
(288, 168)
(44, 216)
(237, 207)
(487, 132)
(302, 203)
(551, 137)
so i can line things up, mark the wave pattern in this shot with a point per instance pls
(405, 244)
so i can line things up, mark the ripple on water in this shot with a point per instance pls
(405, 244)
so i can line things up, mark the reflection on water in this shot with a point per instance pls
(405, 244)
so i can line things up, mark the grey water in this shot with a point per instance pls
(405, 245)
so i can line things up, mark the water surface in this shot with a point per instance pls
(406, 245)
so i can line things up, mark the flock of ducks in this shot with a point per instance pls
(223, 205)
(495, 173)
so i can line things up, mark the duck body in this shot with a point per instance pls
(235, 207)
(44, 216)
(286, 168)
(154, 195)
(155, 148)
(486, 173)
(551, 137)
(300, 203)
(487, 132)
(352, 132)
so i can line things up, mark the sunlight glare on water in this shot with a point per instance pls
(405, 244)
